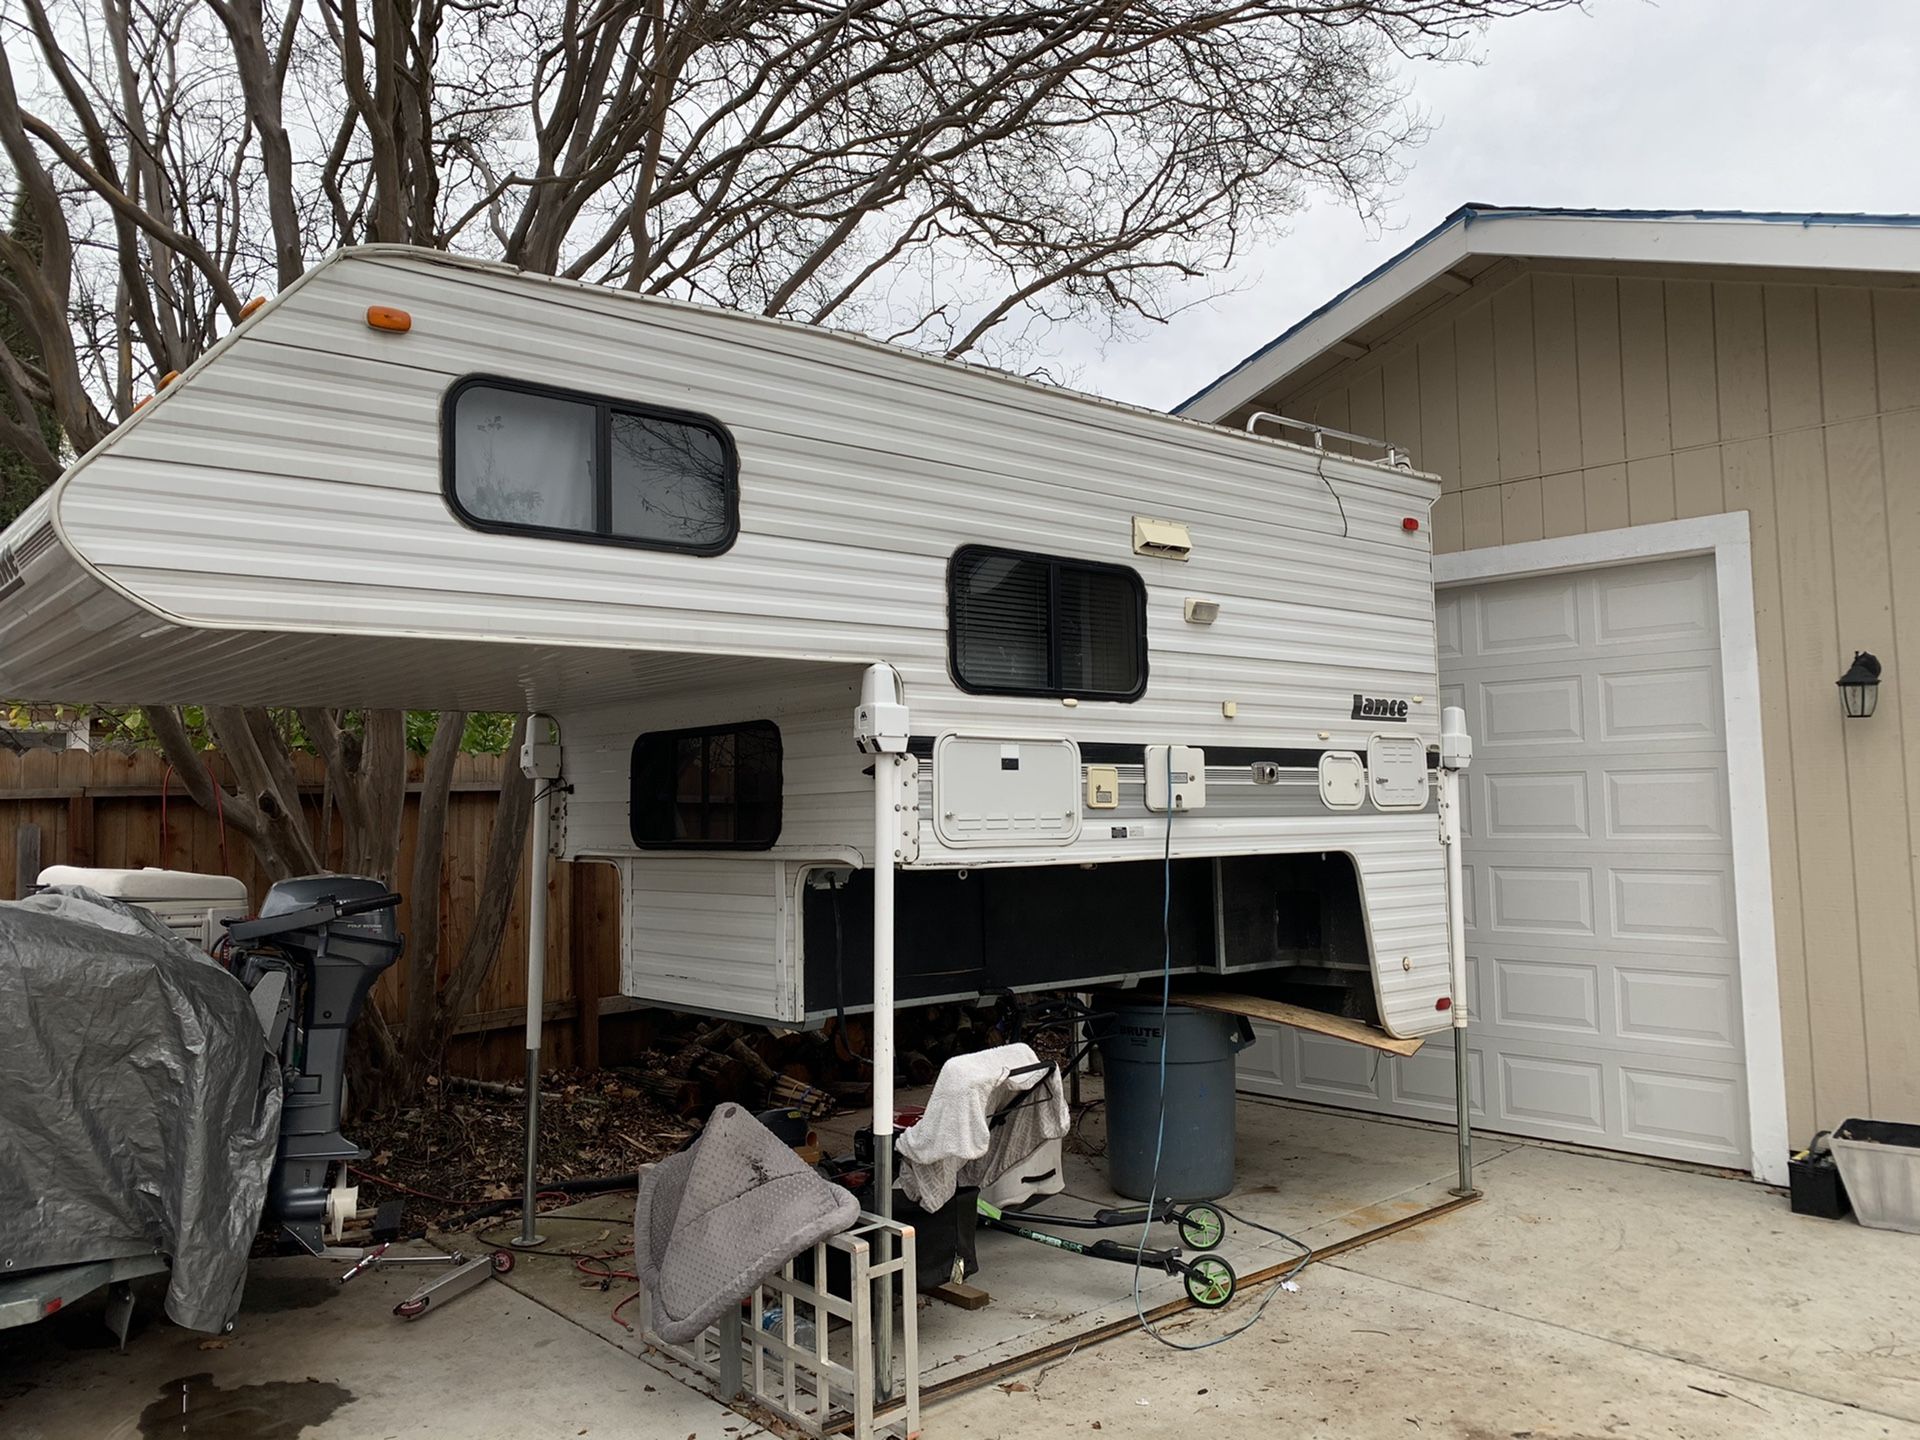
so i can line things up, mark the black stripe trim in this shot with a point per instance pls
(1105, 753)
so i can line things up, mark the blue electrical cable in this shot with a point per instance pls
(1160, 1128)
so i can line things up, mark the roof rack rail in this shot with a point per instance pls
(1391, 454)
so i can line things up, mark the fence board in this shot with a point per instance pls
(127, 809)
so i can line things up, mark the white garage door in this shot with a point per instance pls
(1604, 981)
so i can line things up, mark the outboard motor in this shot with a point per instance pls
(310, 960)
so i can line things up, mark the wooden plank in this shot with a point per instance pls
(26, 859)
(1859, 485)
(1643, 370)
(1367, 414)
(1279, 1012)
(1563, 504)
(1697, 483)
(1479, 412)
(1439, 410)
(1650, 490)
(511, 1017)
(80, 829)
(961, 1295)
(1555, 348)
(1520, 511)
(1596, 310)
(1848, 388)
(1740, 361)
(1402, 380)
(1693, 392)
(585, 973)
(1480, 516)
(1606, 488)
(1516, 395)
(1449, 532)
(1829, 917)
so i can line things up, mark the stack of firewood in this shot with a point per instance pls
(696, 1063)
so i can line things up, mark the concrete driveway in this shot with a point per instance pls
(1583, 1297)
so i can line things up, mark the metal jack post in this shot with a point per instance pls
(540, 762)
(881, 729)
(1456, 753)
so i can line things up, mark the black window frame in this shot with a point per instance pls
(671, 739)
(1055, 564)
(604, 407)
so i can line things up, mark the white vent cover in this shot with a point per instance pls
(1397, 772)
(995, 790)
(1161, 539)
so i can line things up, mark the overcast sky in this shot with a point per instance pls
(1688, 104)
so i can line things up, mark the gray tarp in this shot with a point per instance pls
(139, 1107)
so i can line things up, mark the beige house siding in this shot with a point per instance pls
(1561, 403)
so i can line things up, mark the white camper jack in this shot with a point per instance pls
(1104, 665)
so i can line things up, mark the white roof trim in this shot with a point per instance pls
(1865, 243)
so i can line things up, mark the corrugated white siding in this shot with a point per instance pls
(703, 934)
(292, 484)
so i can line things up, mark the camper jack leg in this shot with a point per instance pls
(1456, 753)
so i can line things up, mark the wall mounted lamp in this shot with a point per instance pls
(1860, 686)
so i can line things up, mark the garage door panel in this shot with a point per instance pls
(1675, 702)
(1642, 604)
(1556, 1090)
(1676, 801)
(1526, 617)
(1530, 710)
(1535, 805)
(1335, 1069)
(1703, 1114)
(1603, 970)
(1671, 906)
(1423, 1081)
(1533, 899)
(1541, 994)
(1659, 1004)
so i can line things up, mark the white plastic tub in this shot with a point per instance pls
(1880, 1163)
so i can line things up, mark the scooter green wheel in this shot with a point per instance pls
(1201, 1227)
(1210, 1282)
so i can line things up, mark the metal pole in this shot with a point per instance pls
(536, 983)
(886, 827)
(1456, 753)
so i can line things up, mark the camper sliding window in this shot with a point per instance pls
(1021, 624)
(711, 789)
(532, 460)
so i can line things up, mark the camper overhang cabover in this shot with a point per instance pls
(1149, 666)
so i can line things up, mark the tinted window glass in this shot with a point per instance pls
(524, 459)
(1041, 625)
(670, 482)
(554, 463)
(1000, 638)
(716, 788)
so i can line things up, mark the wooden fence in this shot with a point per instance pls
(127, 809)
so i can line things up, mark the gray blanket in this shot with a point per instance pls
(721, 1216)
(139, 1107)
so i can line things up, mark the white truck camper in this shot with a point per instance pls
(1108, 665)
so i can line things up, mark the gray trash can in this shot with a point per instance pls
(1196, 1152)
